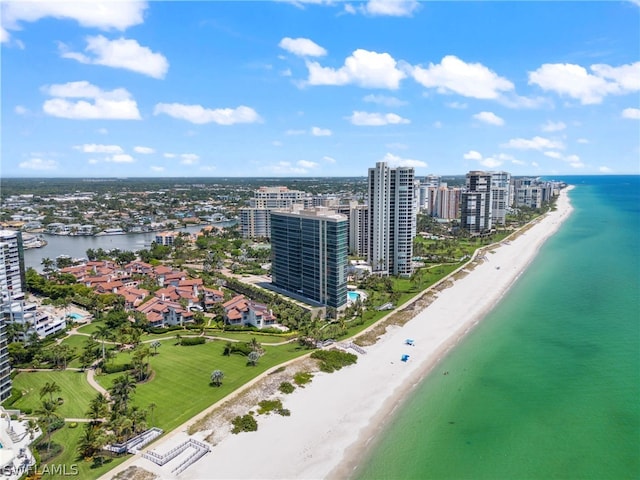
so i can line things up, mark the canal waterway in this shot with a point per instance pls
(77, 246)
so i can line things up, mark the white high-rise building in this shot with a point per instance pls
(255, 220)
(14, 308)
(11, 278)
(392, 219)
(500, 195)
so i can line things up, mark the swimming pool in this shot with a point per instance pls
(353, 296)
(75, 316)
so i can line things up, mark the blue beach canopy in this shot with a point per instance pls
(405, 358)
(409, 341)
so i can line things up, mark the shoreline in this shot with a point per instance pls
(335, 418)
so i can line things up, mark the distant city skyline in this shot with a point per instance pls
(318, 88)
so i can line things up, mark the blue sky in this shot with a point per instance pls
(319, 88)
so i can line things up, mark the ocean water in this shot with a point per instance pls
(548, 385)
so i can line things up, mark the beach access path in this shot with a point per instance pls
(335, 416)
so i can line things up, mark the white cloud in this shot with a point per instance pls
(295, 132)
(631, 113)
(102, 131)
(509, 158)
(329, 159)
(97, 148)
(488, 162)
(363, 68)
(472, 155)
(536, 143)
(286, 168)
(277, 143)
(286, 72)
(303, 47)
(169, 155)
(144, 150)
(437, 124)
(534, 164)
(320, 132)
(156, 168)
(109, 105)
(198, 114)
(121, 53)
(392, 8)
(397, 161)
(457, 105)
(104, 15)
(489, 117)
(604, 169)
(20, 110)
(4, 35)
(553, 126)
(385, 100)
(397, 145)
(376, 119)
(468, 79)
(348, 8)
(120, 158)
(512, 100)
(189, 158)
(38, 164)
(582, 140)
(93, 161)
(573, 160)
(589, 88)
(306, 164)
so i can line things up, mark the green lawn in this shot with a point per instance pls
(247, 336)
(180, 386)
(76, 342)
(75, 391)
(69, 438)
(91, 327)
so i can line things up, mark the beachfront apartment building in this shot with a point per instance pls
(392, 219)
(255, 220)
(531, 192)
(447, 203)
(476, 202)
(309, 254)
(359, 230)
(501, 197)
(11, 281)
(15, 309)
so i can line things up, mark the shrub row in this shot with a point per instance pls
(116, 368)
(331, 360)
(188, 341)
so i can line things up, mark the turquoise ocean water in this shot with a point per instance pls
(548, 385)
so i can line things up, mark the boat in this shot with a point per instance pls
(112, 231)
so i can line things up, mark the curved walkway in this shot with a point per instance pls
(91, 372)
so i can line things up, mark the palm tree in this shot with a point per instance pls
(216, 377)
(47, 414)
(98, 408)
(121, 391)
(103, 332)
(253, 358)
(255, 345)
(155, 345)
(49, 388)
(32, 428)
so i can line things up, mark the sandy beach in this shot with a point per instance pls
(335, 416)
